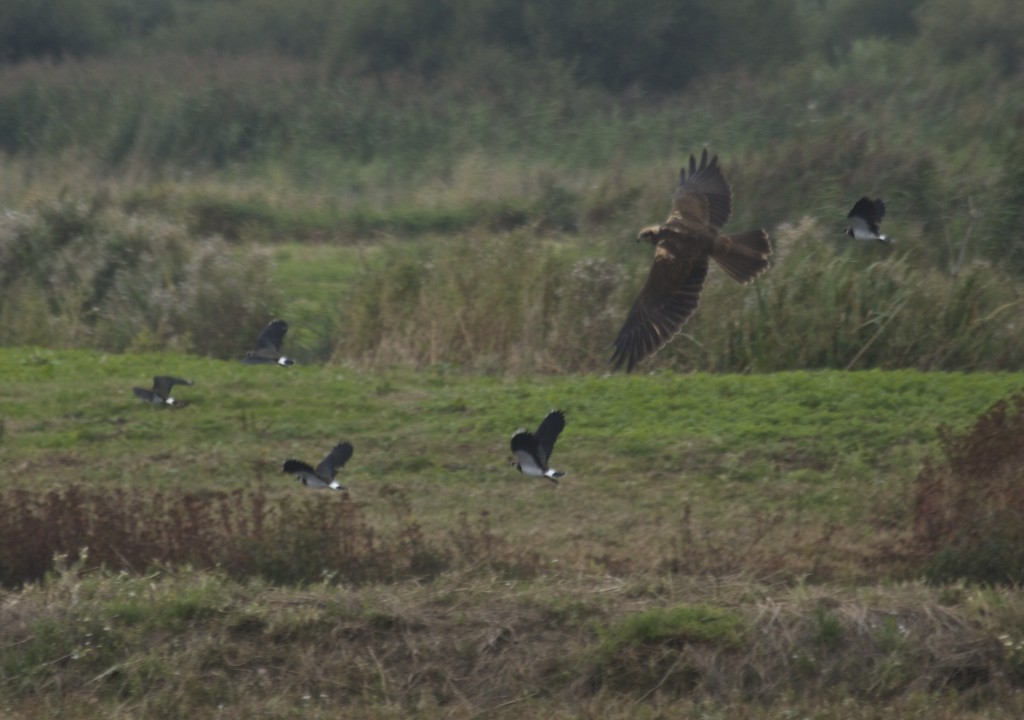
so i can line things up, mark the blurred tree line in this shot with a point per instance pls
(652, 44)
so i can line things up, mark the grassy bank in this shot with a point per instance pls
(722, 546)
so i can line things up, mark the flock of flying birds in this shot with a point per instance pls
(684, 246)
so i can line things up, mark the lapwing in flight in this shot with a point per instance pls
(865, 217)
(160, 394)
(532, 451)
(323, 475)
(268, 346)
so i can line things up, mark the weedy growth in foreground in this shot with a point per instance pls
(174, 643)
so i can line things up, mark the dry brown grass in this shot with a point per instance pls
(475, 645)
(970, 506)
(306, 537)
(392, 619)
(279, 537)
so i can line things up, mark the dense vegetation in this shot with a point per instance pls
(441, 199)
(463, 139)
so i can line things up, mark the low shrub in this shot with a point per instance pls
(285, 539)
(515, 301)
(969, 511)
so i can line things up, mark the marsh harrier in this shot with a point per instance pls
(683, 244)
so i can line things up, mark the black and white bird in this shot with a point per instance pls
(161, 392)
(532, 451)
(865, 217)
(324, 473)
(268, 346)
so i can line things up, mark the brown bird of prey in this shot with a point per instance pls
(683, 244)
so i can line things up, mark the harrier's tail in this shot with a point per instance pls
(743, 256)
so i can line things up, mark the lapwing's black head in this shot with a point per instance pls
(865, 219)
(531, 452)
(160, 394)
(322, 476)
(268, 346)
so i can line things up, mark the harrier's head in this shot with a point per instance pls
(650, 234)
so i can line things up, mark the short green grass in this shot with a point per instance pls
(681, 624)
(652, 461)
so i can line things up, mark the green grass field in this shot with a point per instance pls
(824, 441)
(806, 506)
(779, 503)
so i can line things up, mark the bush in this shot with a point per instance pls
(659, 44)
(511, 301)
(84, 274)
(51, 28)
(832, 27)
(960, 29)
(837, 304)
(969, 510)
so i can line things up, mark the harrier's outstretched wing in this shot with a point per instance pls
(668, 299)
(703, 197)
(272, 337)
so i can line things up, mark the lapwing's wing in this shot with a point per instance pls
(143, 394)
(867, 214)
(272, 337)
(335, 460)
(297, 466)
(548, 432)
(268, 344)
(162, 384)
(525, 448)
